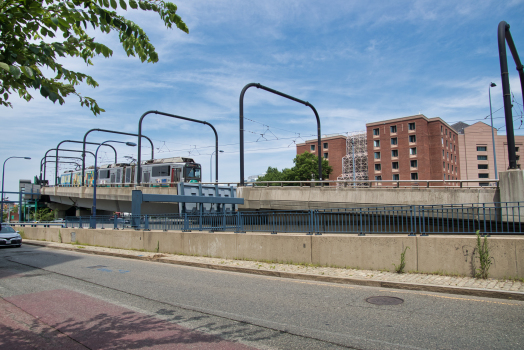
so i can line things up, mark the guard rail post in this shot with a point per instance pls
(317, 223)
(146, 223)
(361, 227)
(186, 224)
(310, 221)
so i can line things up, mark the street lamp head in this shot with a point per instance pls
(27, 157)
(132, 144)
(220, 151)
(493, 85)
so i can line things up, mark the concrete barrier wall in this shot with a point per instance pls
(433, 254)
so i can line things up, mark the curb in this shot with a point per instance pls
(485, 293)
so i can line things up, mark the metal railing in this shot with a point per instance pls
(488, 218)
(487, 183)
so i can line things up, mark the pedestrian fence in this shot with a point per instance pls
(488, 218)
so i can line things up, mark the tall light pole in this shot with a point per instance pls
(492, 132)
(3, 177)
(211, 166)
(95, 175)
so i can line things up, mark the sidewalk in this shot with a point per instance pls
(493, 288)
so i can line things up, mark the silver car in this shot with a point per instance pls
(9, 237)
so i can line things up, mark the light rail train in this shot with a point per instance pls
(163, 172)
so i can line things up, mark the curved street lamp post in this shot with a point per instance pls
(211, 167)
(2, 197)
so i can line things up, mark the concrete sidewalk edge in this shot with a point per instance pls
(486, 293)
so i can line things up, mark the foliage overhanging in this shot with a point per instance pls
(28, 29)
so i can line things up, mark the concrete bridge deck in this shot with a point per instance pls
(118, 199)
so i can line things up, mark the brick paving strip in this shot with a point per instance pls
(491, 288)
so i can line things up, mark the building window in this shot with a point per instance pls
(411, 126)
(414, 176)
(326, 155)
(441, 128)
(482, 157)
(444, 165)
(325, 145)
(396, 177)
(394, 153)
(378, 178)
(312, 148)
(377, 155)
(413, 151)
(446, 143)
(483, 183)
(376, 143)
(393, 129)
(443, 154)
(447, 155)
(378, 167)
(516, 149)
(483, 176)
(481, 149)
(442, 140)
(451, 167)
(394, 165)
(446, 132)
(376, 132)
(394, 141)
(444, 176)
(517, 157)
(455, 159)
(454, 149)
(412, 138)
(453, 137)
(482, 166)
(413, 163)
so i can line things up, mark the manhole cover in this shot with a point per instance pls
(384, 300)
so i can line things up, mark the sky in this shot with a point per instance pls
(356, 62)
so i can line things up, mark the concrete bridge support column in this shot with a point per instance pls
(82, 212)
(511, 190)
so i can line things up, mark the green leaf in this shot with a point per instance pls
(54, 20)
(133, 4)
(15, 71)
(123, 4)
(4, 66)
(44, 91)
(106, 3)
(142, 5)
(113, 4)
(28, 72)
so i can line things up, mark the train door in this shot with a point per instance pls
(175, 176)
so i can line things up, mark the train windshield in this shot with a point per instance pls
(192, 172)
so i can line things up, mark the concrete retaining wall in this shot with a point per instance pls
(437, 253)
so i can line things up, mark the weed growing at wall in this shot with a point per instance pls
(484, 258)
(400, 267)
(59, 236)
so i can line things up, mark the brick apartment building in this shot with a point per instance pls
(476, 151)
(333, 149)
(413, 148)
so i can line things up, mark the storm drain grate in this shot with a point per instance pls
(96, 266)
(384, 300)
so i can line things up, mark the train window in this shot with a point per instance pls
(192, 172)
(103, 174)
(161, 170)
(118, 175)
(128, 175)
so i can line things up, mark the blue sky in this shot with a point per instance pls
(356, 62)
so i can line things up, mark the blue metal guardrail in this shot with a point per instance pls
(488, 218)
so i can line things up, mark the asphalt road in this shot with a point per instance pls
(108, 302)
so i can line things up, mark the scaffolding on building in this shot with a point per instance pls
(355, 162)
